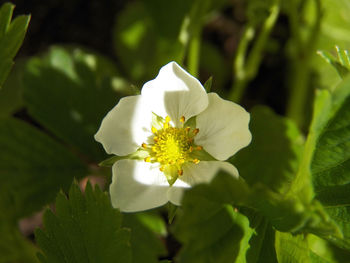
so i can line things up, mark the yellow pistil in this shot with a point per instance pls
(172, 148)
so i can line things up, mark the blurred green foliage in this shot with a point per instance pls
(291, 203)
(11, 37)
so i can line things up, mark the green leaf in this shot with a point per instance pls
(262, 243)
(275, 148)
(11, 94)
(5, 68)
(32, 168)
(341, 64)
(306, 248)
(145, 245)
(210, 229)
(334, 31)
(140, 154)
(85, 228)
(310, 248)
(69, 91)
(285, 213)
(292, 249)
(322, 251)
(145, 26)
(208, 84)
(6, 12)
(331, 160)
(11, 38)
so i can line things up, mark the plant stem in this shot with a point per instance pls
(244, 72)
(194, 53)
(300, 70)
(196, 22)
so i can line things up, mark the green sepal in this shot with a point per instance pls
(191, 122)
(171, 173)
(172, 209)
(140, 154)
(136, 90)
(202, 155)
(157, 121)
(208, 83)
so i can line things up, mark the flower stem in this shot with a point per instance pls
(196, 22)
(300, 69)
(244, 71)
(194, 53)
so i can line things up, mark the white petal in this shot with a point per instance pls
(137, 186)
(125, 127)
(193, 174)
(176, 93)
(223, 128)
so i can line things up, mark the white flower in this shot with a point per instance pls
(183, 134)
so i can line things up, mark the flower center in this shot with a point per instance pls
(172, 148)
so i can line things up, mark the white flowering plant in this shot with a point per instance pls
(177, 136)
(204, 131)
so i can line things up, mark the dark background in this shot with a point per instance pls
(90, 23)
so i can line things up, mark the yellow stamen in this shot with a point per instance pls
(172, 147)
(181, 161)
(196, 161)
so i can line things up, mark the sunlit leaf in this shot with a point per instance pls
(275, 148)
(292, 249)
(331, 160)
(142, 37)
(69, 92)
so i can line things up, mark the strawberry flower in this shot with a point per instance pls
(171, 137)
